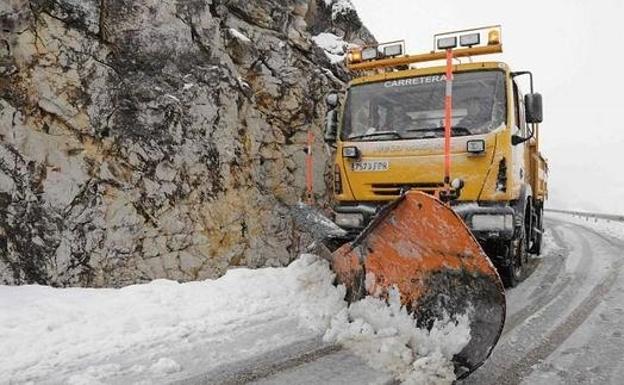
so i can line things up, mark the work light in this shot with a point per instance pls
(447, 42)
(393, 50)
(369, 53)
(469, 40)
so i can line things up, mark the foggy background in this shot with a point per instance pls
(573, 49)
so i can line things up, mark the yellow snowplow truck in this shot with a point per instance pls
(389, 137)
(437, 175)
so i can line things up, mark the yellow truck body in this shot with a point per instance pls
(504, 182)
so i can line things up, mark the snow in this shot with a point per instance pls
(549, 245)
(152, 333)
(74, 329)
(334, 46)
(166, 366)
(604, 226)
(238, 35)
(388, 339)
(340, 7)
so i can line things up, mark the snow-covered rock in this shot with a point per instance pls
(150, 139)
(335, 47)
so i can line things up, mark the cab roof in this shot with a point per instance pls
(412, 72)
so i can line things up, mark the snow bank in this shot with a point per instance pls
(47, 331)
(612, 228)
(97, 336)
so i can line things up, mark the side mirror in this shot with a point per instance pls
(331, 126)
(331, 100)
(533, 104)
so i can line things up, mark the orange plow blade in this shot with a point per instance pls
(423, 248)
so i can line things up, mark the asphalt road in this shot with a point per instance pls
(565, 322)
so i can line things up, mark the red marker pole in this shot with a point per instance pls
(448, 108)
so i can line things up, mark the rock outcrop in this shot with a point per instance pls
(144, 139)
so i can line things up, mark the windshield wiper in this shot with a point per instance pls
(455, 129)
(394, 134)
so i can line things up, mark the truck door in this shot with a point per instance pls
(520, 161)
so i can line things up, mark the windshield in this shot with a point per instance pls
(413, 108)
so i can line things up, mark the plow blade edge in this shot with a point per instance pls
(422, 247)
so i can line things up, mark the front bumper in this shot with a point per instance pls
(488, 222)
(485, 222)
(353, 218)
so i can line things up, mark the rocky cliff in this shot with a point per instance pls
(144, 139)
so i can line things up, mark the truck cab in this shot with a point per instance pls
(389, 135)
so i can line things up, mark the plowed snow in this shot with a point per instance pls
(140, 332)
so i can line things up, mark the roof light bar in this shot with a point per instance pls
(468, 37)
(374, 52)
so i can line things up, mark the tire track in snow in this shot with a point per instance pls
(558, 284)
(246, 371)
(523, 367)
(532, 337)
(549, 286)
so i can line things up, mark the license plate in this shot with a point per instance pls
(370, 165)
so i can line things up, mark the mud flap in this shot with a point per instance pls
(422, 247)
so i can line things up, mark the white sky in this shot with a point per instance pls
(570, 46)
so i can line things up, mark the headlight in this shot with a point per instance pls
(492, 222)
(349, 219)
(350, 152)
(475, 146)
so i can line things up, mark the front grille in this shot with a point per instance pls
(394, 189)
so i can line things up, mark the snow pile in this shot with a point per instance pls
(47, 331)
(138, 334)
(386, 336)
(334, 46)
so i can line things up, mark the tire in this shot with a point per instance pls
(536, 248)
(513, 272)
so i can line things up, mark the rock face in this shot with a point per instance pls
(144, 139)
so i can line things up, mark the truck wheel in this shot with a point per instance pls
(536, 248)
(512, 274)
